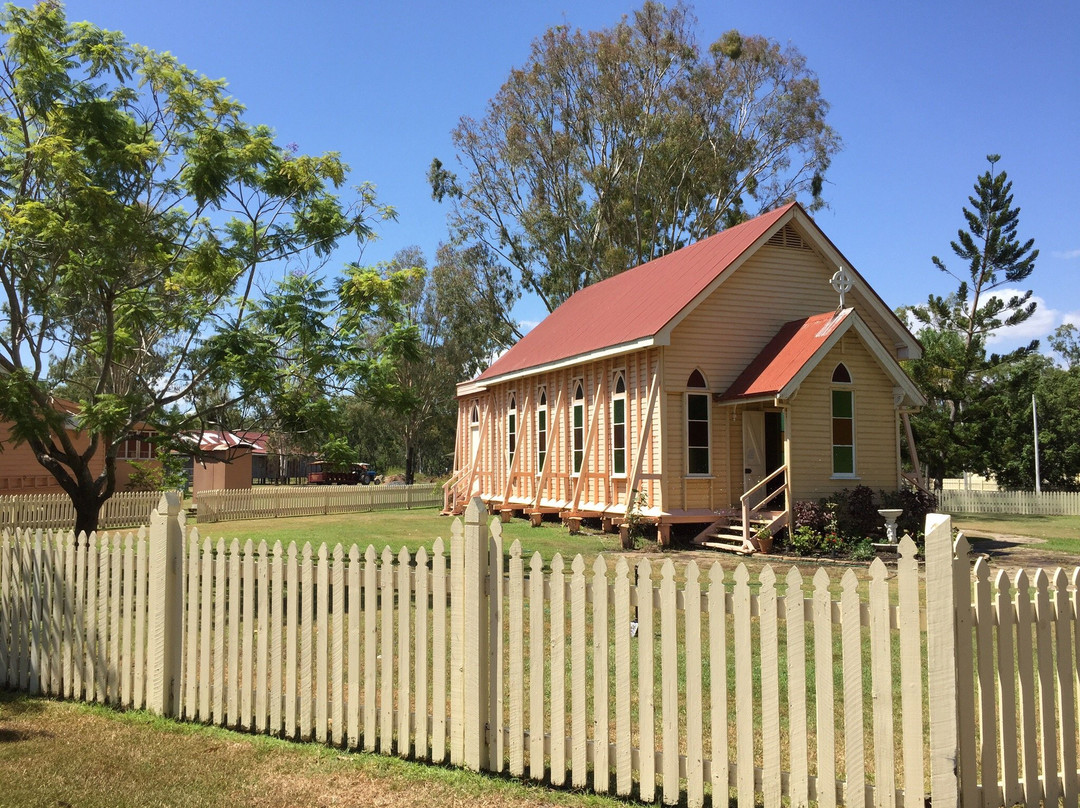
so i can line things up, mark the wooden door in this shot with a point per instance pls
(753, 442)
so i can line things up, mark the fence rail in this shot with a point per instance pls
(670, 684)
(1047, 503)
(274, 501)
(56, 511)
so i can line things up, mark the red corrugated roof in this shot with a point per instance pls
(632, 305)
(212, 440)
(786, 354)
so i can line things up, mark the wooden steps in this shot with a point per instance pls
(726, 533)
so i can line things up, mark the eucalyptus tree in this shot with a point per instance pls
(610, 148)
(137, 206)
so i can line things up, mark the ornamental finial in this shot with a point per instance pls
(841, 281)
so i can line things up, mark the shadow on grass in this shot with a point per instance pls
(19, 705)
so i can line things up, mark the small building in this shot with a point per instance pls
(715, 385)
(223, 461)
(21, 473)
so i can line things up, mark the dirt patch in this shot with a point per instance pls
(1010, 552)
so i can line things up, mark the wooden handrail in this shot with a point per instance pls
(450, 486)
(744, 500)
(916, 481)
(765, 481)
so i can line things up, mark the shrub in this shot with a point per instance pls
(146, 475)
(916, 505)
(811, 514)
(857, 513)
(862, 551)
(804, 541)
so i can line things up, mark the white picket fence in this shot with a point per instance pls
(770, 689)
(264, 502)
(1047, 503)
(56, 511)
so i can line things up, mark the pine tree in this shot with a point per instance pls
(951, 431)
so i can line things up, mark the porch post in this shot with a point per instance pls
(789, 497)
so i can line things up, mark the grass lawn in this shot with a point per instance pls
(60, 753)
(411, 529)
(1062, 533)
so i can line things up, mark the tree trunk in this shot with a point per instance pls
(410, 459)
(87, 510)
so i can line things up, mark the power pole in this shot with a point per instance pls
(1035, 428)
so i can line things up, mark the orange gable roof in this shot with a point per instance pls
(633, 305)
(787, 353)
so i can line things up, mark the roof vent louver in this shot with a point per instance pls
(788, 238)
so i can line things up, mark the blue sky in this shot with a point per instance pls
(921, 92)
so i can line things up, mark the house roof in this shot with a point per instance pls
(799, 346)
(637, 307)
(634, 304)
(785, 355)
(212, 440)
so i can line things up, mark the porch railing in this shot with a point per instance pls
(748, 509)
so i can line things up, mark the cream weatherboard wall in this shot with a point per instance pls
(787, 278)
(810, 425)
(516, 482)
(723, 335)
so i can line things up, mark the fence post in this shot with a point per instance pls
(166, 607)
(941, 662)
(475, 658)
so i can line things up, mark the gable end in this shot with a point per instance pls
(787, 237)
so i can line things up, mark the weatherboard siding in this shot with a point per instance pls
(875, 425)
(723, 335)
(600, 486)
(20, 472)
(720, 336)
(727, 330)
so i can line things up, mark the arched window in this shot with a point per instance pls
(698, 431)
(511, 427)
(474, 432)
(578, 431)
(541, 429)
(618, 425)
(843, 423)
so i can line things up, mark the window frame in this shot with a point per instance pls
(541, 429)
(691, 454)
(577, 429)
(511, 428)
(618, 398)
(844, 388)
(137, 446)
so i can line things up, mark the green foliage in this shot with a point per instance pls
(856, 512)
(137, 206)
(916, 505)
(1056, 392)
(847, 523)
(1066, 341)
(164, 473)
(338, 454)
(146, 475)
(635, 522)
(952, 430)
(609, 148)
(862, 551)
(431, 328)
